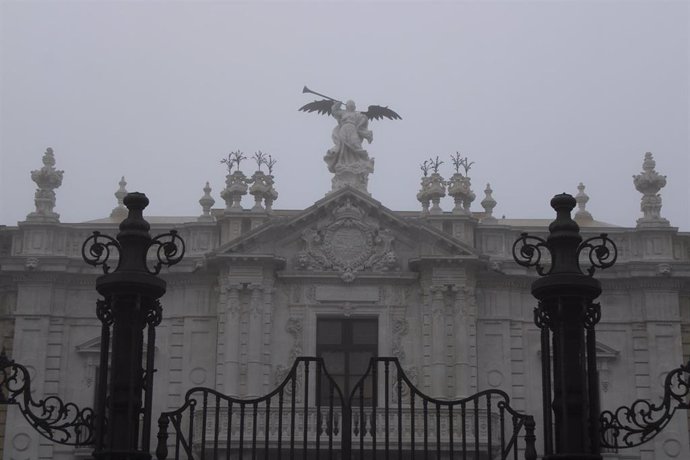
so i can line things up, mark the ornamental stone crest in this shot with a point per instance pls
(348, 244)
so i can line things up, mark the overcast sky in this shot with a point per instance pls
(540, 95)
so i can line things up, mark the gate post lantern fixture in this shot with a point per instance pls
(566, 310)
(130, 304)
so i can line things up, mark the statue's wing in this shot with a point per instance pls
(377, 112)
(323, 107)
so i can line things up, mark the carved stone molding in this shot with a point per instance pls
(280, 373)
(256, 304)
(412, 373)
(348, 309)
(470, 304)
(295, 328)
(522, 283)
(311, 293)
(606, 356)
(297, 290)
(31, 263)
(663, 269)
(657, 282)
(234, 304)
(187, 279)
(400, 329)
(47, 277)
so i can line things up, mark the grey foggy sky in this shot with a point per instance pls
(539, 95)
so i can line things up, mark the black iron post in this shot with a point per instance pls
(130, 304)
(567, 311)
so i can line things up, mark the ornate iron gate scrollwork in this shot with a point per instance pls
(634, 425)
(308, 417)
(61, 422)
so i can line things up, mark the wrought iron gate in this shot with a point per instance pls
(308, 417)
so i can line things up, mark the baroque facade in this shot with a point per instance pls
(438, 290)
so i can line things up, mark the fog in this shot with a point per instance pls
(540, 95)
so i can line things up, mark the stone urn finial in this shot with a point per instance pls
(582, 215)
(436, 187)
(206, 203)
(272, 194)
(488, 203)
(460, 185)
(258, 189)
(48, 179)
(262, 183)
(235, 182)
(422, 195)
(648, 183)
(119, 212)
(460, 188)
(433, 187)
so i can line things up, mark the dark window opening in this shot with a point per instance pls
(346, 346)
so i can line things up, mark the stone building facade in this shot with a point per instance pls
(440, 290)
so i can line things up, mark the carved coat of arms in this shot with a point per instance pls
(347, 244)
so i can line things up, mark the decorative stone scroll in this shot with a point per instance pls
(348, 244)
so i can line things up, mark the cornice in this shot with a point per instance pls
(417, 262)
(658, 282)
(403, 276)
(254, 259)
(608, 284)
(39, 277)
(190, 279)
(510, 282)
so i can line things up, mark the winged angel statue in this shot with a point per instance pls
(347, 159)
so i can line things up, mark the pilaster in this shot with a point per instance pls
(267, 322)
(438, 342)
(231, 340)
(465, 343)
(255, 342)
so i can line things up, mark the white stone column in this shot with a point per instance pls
(255, 342)
(438, 342)
(231, 340)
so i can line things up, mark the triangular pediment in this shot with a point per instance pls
(90, 346)
(347, 231)
(93, 346)
(604, 352)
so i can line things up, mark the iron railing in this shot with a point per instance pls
(307, 416)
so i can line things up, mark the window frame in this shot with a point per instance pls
(346, 347)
